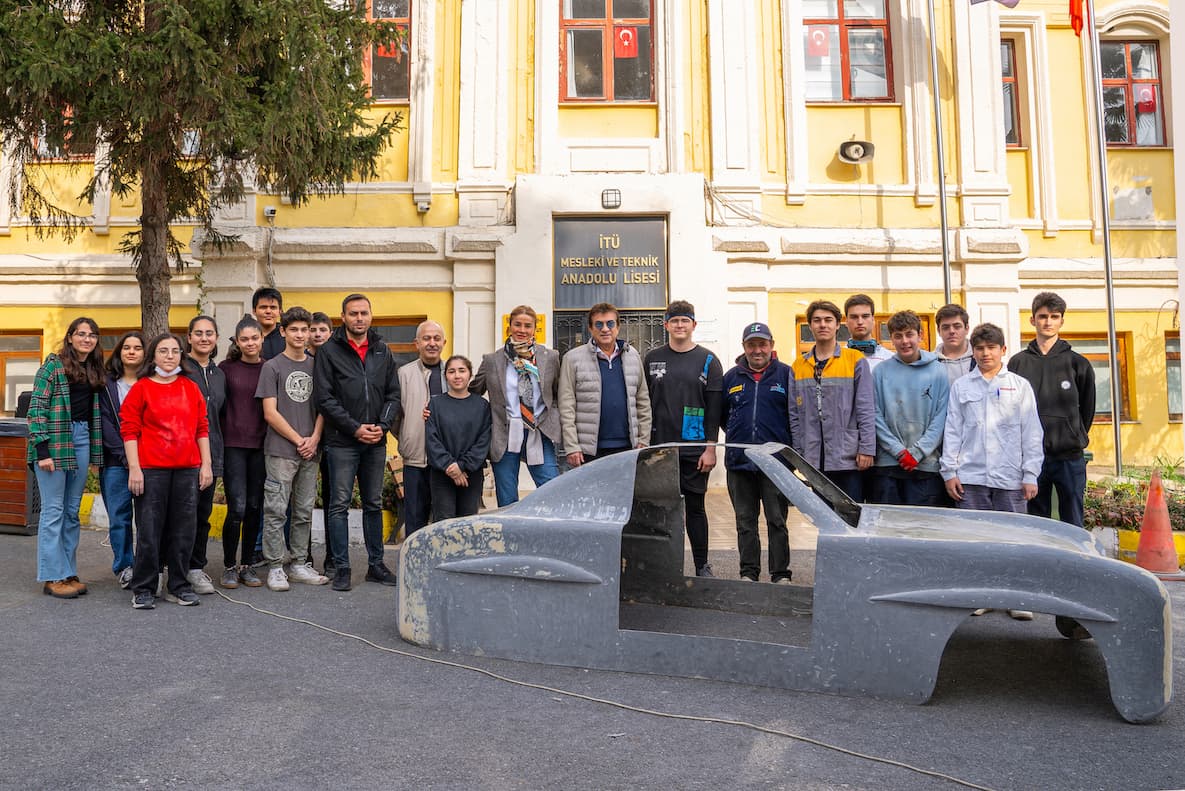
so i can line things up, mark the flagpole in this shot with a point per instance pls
(1096, 78)
(943, 222)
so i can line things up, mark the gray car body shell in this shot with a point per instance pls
(543, 580)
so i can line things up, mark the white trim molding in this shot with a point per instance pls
(1029, 28)
(483, 192)
(421, 100)
(911, 43)
(6, 186)
(735, 107)
(983, 174)
(794, 103)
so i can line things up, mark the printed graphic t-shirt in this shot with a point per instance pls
(291, 384)
(679, 383)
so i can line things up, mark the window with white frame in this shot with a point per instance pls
(1011, 91)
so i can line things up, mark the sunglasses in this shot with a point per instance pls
(605, 325)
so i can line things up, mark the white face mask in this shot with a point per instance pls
(165, 374)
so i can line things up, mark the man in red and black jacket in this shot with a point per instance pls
(356, 388)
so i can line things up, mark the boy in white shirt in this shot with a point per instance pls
(991, 451)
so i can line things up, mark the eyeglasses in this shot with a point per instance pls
(605, 325)
(86, 336)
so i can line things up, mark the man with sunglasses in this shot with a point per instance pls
(604, 403)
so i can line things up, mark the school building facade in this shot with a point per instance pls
(564, 152)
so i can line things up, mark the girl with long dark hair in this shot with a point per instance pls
(164, 429)
(243, 463)
(201, 369)
(457, 441)
(123, 368)
(65, 437)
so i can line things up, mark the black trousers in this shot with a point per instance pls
(243, 475)
(449, 500)
(750, 492)
(166, 518)
(201, 535)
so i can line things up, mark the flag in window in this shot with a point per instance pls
(818, 44)
(625, 42)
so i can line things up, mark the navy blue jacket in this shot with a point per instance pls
(755, 412)
(113, 452)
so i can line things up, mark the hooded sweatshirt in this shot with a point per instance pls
(1063, 382)
(956, 366)
(911, 402)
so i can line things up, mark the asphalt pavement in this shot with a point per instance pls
(98, 695)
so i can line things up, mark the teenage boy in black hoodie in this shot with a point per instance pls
(1063, 382)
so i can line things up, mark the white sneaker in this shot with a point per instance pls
(299, 572)
(1021, 615)
(201, 582)
(981, 611)
(277, 580)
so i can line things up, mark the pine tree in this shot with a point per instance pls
(182, 101)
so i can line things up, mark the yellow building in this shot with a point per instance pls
(560, 152)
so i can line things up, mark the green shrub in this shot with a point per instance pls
(1121, 504)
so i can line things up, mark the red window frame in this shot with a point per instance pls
(66, 154)
(606, 26)
(1010, 79)
(404, 24)
(844, 24)
(1129, 84)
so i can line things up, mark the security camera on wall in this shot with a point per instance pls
(856, 152)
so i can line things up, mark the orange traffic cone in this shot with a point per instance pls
(1156, 552)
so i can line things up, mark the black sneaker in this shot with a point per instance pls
(143, 600)
(705, 571)
(341, 579)
(381, 574)
(188, 599)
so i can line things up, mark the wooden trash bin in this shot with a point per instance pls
(20, 505)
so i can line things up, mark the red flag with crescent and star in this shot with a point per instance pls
(817, 42)
(625, 42)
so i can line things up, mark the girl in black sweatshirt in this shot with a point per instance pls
(457, 438)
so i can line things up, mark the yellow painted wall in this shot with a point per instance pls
(361, 211)
(1020, 203)
(436, 305)
(697, 138)
(1129, 168)
(853, 211)
(831, 125)
(63, 182)
(522, 93)
(52, 320)
(608, 120)
(1149, 433)
(392, 164)
(773, 126)
(446, 118)
(25, 241)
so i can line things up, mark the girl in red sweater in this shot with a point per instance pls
(166, 437)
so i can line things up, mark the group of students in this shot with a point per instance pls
(296, 400)
(955, 426)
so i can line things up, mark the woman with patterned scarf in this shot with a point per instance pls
(522, 382)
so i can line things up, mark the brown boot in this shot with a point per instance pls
(78, 584)
(60, 589)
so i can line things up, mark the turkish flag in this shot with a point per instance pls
(388, 51)
(625, 42)
(1146, 99)
(818, 42)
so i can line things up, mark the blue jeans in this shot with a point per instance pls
(117, 498)
(506, 471)
(365, 462)
(1068, 477)
(61, 495)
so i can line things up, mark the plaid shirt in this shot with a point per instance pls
(49, 418)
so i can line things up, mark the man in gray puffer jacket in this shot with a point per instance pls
(604, 403)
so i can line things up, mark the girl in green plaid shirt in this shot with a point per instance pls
(65, 438)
